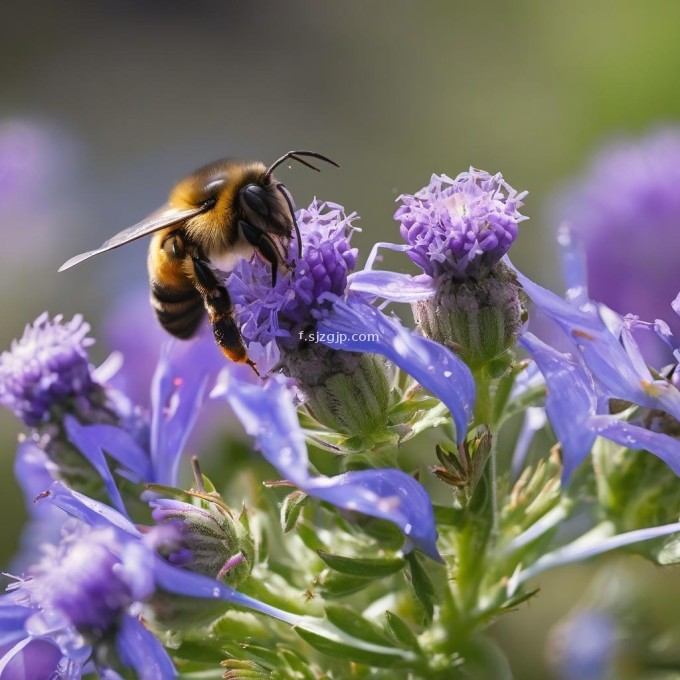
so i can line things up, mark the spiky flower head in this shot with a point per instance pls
(48, 364)
(83, 585)
(460, 227)
(278, 313)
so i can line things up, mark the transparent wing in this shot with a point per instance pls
(162, 218)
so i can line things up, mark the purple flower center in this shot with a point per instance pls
(48, 364)
(297, 300)
(460, 227)
(81, 583)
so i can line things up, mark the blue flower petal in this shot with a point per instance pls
(33, 659)
(182, 582)
(179, 387)
(391, 285)
(587, 546)
(633, 437)
(89, 511)
(87, 442)
(573, 260)
(268, 414)
(357, 326)
(12, 619)
(620, 375)
(32, 470)
(570, 401)
(387, 494)
(140, 650)
(120, 445)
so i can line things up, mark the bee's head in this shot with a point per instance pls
(243, 207)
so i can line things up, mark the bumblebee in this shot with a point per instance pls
(224, 211)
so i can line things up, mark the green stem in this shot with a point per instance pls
(484, 416)
(493, 470)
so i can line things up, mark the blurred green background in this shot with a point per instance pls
(112, 102)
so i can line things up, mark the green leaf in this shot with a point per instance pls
(348, 621)
(291, 508)
(308, 535)
(447, 516)
(197, 652)
(400, 632)
(264, 655)
(171, 491)
(297, 664)
(333, 584)
(371, 568)
(208, 485)
(422, 586)
(327, 638)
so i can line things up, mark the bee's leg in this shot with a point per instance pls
(220, 312)
(264, 245)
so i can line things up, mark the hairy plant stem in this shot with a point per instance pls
(481, 525)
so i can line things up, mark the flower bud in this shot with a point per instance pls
(347, 392)
(209, 540)
(479, 318)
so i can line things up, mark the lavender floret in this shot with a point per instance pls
(460, 227)
(48, 364)
(277, 313)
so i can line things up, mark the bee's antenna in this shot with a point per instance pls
(295, 155)
(291, 207)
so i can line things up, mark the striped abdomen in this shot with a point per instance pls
(178, 305)
(179, 310)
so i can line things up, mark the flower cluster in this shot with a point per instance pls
(134, 574)
(460, 227)
(269, 313)
(47, 366)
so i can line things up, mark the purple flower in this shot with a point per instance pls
(460, 227)
(270, 416)
(626, 210)
(269, 313)
(168, 577)
(315, 296)
(180, 387)
(579, 414)
(608, 365)
(85, 589)
(48, 365)
(85, 597)
(584, 646)
(457, 231)
(607, 349)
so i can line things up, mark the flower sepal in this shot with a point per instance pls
(478, 318)
(346, 392)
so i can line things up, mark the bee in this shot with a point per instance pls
(224, 211)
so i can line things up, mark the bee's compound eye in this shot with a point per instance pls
(174, 247)
(255, 198)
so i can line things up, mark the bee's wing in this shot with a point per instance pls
(162, 218)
